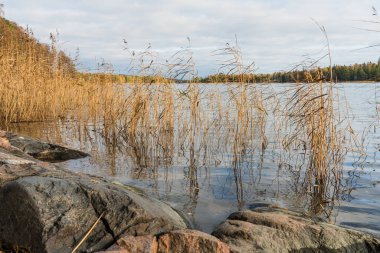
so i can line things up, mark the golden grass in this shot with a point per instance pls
(153, 120)
(32, 88)
(39, 82)
(312, 121)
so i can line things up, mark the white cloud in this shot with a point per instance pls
(272, 33)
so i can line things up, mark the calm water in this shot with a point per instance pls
(204, 180)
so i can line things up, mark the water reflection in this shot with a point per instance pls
(210, 150)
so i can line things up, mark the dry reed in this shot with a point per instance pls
(154, 121)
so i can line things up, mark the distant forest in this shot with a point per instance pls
(357, 72)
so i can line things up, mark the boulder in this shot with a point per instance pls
(47, 209)
(184, 241)
(16, 164)
(134, 244)
(4, 143)
(190, 241)
(277, 230)
(38, 149)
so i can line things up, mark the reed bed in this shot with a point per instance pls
(39, 82)
(158, 123)
(33, 85)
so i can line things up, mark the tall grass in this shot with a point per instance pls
(33, 86)
(313, 122)
(157, 123)
(39, 82)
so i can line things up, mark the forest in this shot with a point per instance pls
(341, 73)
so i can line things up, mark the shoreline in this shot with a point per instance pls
(34, 189)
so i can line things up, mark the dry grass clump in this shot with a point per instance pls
(248, 115)
(315, 130)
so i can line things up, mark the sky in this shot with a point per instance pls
(276, 35)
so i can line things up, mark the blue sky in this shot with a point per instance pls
(274, 34)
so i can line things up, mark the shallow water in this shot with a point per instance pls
(221, 183)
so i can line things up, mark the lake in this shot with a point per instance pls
(215, 151)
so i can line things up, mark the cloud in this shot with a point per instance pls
(272, 33)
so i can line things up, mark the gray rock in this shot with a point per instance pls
(42, 150)
(277, 230)
(51, 210)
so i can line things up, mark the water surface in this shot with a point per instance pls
(196, 170)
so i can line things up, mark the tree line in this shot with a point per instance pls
(368, 71)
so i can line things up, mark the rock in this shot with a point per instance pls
(45, 208)
(3, 133)
(117, 249)
(15, 160)
(48, 209)
(190, 241)
(4, 143)
(276, 230)
(135, 244)
(17, 164)
(184, 241)
(40, 150)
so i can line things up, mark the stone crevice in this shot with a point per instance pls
(98, 212)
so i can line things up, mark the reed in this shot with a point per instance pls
(314, 126)
(39, 82)
(158, 124)
(33, 85)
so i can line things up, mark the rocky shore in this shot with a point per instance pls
(44, 208)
